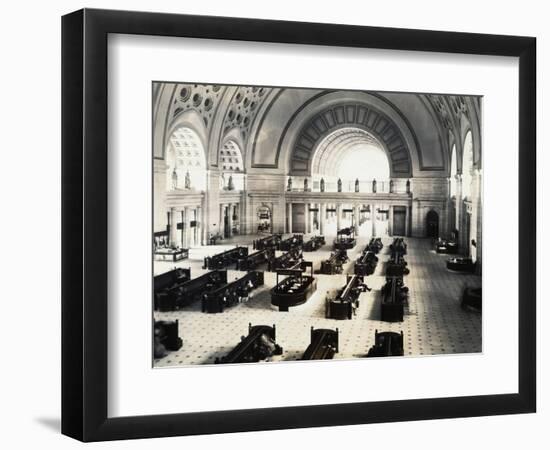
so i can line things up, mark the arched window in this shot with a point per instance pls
(231, 158)
(232, 165)
(453, 171)
(351, 154)
(186, 161)
(467, 166)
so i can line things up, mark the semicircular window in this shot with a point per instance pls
(231, 156)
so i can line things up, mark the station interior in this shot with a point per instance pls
(293, 224)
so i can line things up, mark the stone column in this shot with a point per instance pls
(181, 232)
(238, 215)
(289, 217)
(173, 226)
(479, 236)
(407, 220)
(390, 221)
(338, 216)
(185, 232)
(230, 218)
(458, 204)
(200, 227)
(159, 196)
(476, 212)
(222, 207)
(272, 209)
(247, 221)
(322, 217)
(308, 219)
(373, 219)
(168, 225)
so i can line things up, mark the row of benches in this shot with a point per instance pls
(397, 266)
(216, 300)
(211, 288)
(261, 344)
(297, 240)
(265, 252)
(173, 291)
(395, 294)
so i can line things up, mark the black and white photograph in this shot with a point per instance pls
(294, 224)
(275, 225)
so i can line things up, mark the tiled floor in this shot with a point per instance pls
(434, 321)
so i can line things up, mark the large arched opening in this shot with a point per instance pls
(186, 161)
(232, 166)
(467, 165)
(350, 155)
(453, 192)
(186, 173)
(351, 159)
(454, 173)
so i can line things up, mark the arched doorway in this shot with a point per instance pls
(351, 159)
(263, 216)
(432, 224)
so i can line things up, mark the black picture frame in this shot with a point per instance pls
(84, 224)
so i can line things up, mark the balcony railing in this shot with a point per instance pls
(350, 186)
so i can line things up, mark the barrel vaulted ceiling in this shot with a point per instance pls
(279, 129)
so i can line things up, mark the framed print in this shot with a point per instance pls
(274, 225)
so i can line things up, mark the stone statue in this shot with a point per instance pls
(391, 186)
(230, 185)
(408, 186)
(322, 185)
(187, 180)
(174, 178)
(289, 184)
(305, 185)
(374, 186)
(357, 185)
(339, 185)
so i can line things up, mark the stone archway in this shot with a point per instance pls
(355, 115)
(265, 219)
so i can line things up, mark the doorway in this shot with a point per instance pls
(432, 224)
(399, 217)
(298, 218)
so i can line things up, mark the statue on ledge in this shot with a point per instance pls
(187, 180)
(391, 186)
(374, 186)
(230, 185)
(289, 184)
(357, 185)
(339, 185)
(174, 178)
(305, 185)
(408, 186)
(322, 185)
